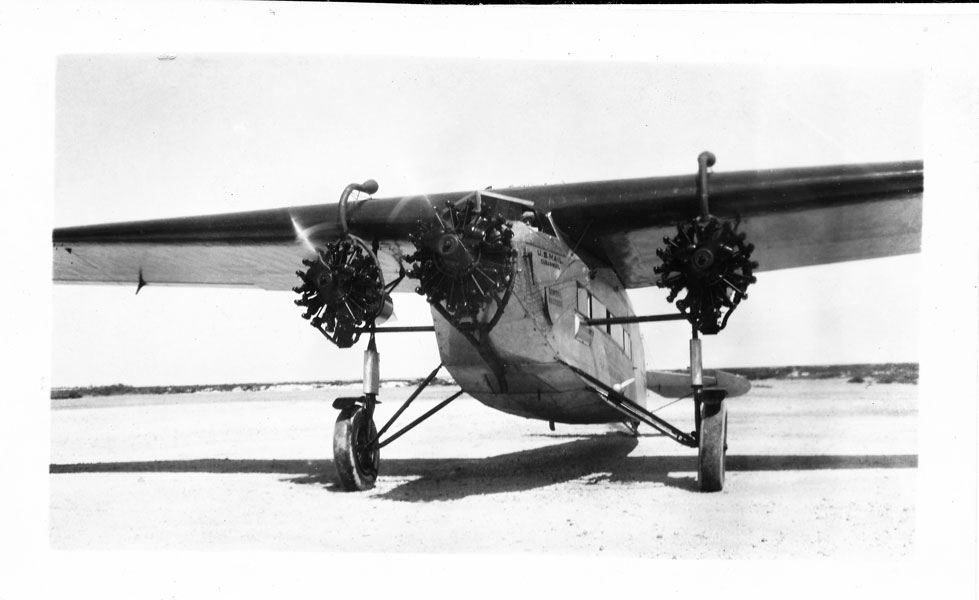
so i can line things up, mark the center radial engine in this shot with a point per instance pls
(464, 262)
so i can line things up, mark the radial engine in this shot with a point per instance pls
(464, 262)
(708, 258)
(343, 288)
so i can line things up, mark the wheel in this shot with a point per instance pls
(712, 446)
(355, 458)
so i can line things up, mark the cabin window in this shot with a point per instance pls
(591, 307)
(617, 332)
(598, 312)
(583, 305)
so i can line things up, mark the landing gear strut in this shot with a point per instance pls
(345, 296)
(356, 453)
(710, 416)
(356, 441)
(712, 262)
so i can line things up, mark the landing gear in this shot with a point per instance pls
(712, 442)
(356, 440)
(711, 261)
(356, 451)
(356, 454)
(710, 416)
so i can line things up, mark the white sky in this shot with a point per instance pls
(138, 137)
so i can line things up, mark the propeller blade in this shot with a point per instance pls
(303, 236)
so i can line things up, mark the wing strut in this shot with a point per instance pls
(630, 409)
(637, 319)
(356, 440)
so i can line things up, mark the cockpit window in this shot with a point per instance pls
(538, 221)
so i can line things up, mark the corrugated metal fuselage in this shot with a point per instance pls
(519, 368)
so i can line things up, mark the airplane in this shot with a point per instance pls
(528, 285)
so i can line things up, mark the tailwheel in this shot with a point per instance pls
(355, 450)
(712, 444)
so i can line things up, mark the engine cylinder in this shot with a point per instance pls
(712, 262)
(463, 260)
(343, 291)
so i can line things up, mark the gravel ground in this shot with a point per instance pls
(815, 469)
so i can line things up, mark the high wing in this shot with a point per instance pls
(794, 217)
(259, 248)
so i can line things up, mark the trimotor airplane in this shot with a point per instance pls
(527, 285)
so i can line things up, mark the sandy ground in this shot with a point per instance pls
(816, 469)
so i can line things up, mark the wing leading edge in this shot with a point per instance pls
(795, 217)
(261, 248)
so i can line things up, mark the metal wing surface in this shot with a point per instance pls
(795, 217)
(261, 248)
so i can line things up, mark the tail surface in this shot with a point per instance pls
(677, 385)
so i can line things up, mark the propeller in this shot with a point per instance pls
(302, 235)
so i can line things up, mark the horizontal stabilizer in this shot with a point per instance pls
(677, 385)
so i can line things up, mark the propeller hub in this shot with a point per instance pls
(343, 291)
(453, 256)
(464, 261)
(711, 261)
(702, 259)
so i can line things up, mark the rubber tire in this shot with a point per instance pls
(712, 446)
(352, 431)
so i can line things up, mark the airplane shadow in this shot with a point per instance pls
(594, 460)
